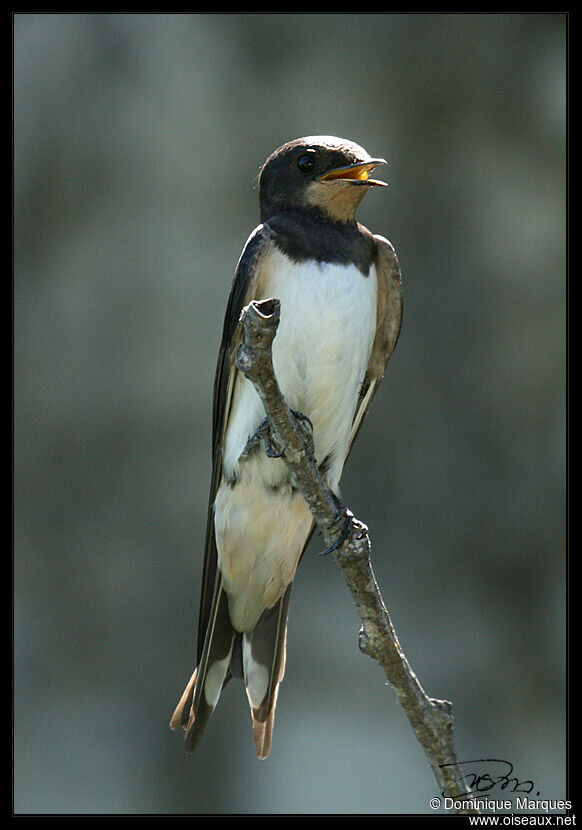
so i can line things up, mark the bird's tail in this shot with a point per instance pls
(204, 687)
(263, 661)
(258, 657)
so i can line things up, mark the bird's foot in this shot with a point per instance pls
(264, 433)
(305, 427)
(344, 519)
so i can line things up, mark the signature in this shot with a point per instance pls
(483, 775)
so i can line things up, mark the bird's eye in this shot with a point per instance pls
(306, 163)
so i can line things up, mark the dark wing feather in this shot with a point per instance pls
(241, 293)
(389, 319)
(217, 639)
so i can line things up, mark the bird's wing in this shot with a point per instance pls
(388, 321)
(216, 636)
(242, 291)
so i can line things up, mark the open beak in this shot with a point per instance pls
(357, 173)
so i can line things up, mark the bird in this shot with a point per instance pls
(340, 292)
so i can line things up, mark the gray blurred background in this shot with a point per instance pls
(138, 138)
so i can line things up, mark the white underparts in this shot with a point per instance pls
(320, 355)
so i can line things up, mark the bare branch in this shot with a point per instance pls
(431, 720)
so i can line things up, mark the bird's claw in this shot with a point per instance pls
(345, 517)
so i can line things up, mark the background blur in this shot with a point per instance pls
(138, 138)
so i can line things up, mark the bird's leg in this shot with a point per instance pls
(264, 433)
(305, 427)
(272, 449)
(343, 517)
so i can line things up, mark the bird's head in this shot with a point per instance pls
(325, 172)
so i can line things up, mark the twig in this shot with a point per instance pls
(431, 720)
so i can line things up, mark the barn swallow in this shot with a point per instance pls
(340, 296)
